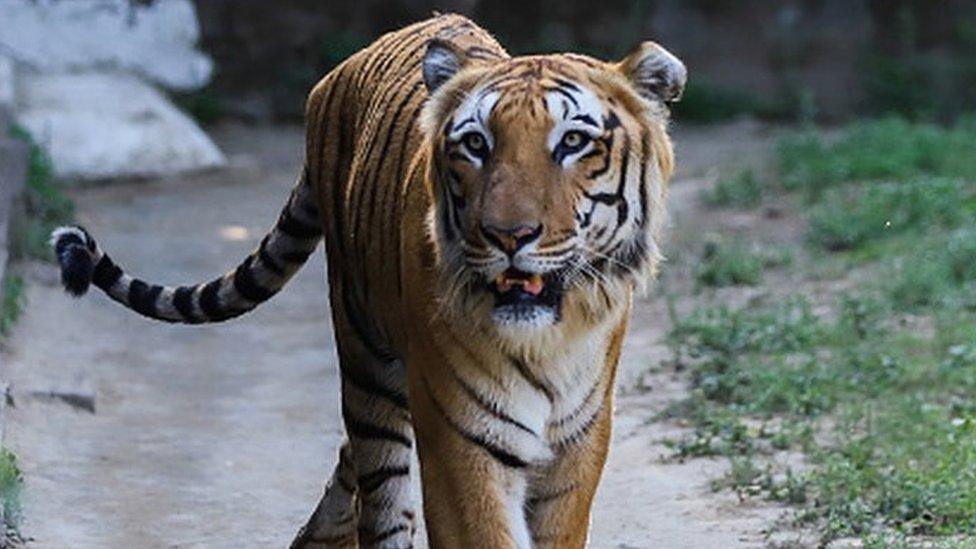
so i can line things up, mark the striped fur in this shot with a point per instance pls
(259, 277)
(437, 168)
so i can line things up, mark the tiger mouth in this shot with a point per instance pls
(521, 294)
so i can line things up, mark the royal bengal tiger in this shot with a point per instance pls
(486, 219)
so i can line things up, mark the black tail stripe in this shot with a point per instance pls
(267, 260)
(249, 288)
(503, 456)
(210, 301)
(142, 298)
(183, 301)
(106, 273)
(371, 481)
(300, 256)
(364, 430)
(294, 228)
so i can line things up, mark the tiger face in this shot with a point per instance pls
(547, 177)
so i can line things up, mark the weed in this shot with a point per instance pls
(741, 190)
(11, 482)
(848, 218)
(729, 264)
(46, 205)
(885, 149)
(13, 302)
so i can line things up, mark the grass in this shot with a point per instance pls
(874, 384)
(45, 203)
(12, 304)
(849, 217)
(735, 263)
(11, 482)
(884, 149)
(741, 190)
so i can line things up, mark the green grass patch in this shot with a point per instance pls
(11, 482)
(736, 263)
(884, 149)
(12, 304)
(740, 190)
(45, 203)
(902, 450)
(875, 387)
(848, 217)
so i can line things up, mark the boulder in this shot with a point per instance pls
(100, 125)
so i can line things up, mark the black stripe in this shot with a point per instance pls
(267, 261)
(327, 539)
(371, 481)
(367, 431)
(535, 382)
(368, 537)
(536, 499)
(563, 93)
(106, 273)
(247, 287)
(293, 227)
(345, 484)
(503, 456)
(490, 407)
(566, 84)
(183, 301)
(642, 189)
(142, 298)
(364, 330)
(361, 380)
(579, 408)
(582, 431)
(297, 257)
(210, 301)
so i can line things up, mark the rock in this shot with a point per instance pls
(153, 39)
(106, 125)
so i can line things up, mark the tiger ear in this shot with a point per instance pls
(655, 72)
(441, 61)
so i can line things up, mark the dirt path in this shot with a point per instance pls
(222, 436)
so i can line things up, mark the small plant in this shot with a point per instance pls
(741, 190)
(13, 302)
(729, 265)
(886, 149)
(46, 205)
(848, 218)
(11, 482)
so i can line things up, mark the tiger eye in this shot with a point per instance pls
(573, 139)
(474, 141)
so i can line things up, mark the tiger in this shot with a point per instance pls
(487, 221)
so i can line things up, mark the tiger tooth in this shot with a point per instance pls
(533, 285)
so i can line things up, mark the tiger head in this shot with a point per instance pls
(547, 178)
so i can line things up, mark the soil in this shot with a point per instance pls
(222, 436)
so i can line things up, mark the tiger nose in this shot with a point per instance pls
(511, 239)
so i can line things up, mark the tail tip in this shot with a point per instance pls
(73, 248)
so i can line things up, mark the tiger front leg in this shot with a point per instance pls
(473, 488)
(561, 494)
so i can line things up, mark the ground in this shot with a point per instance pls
(222, 436)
